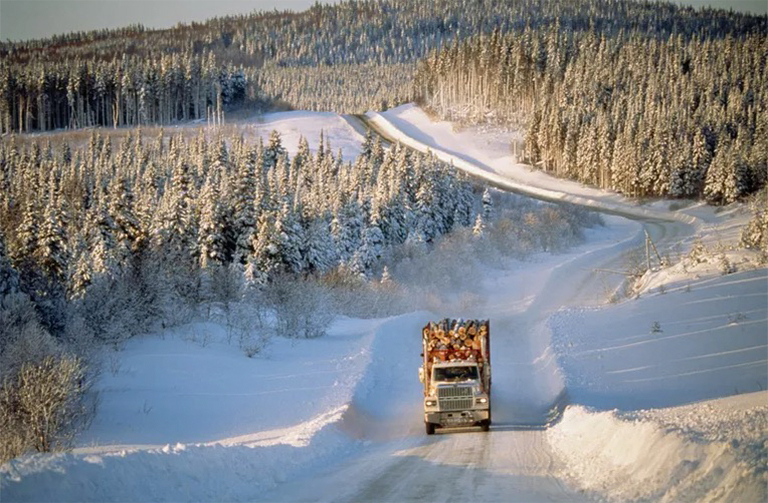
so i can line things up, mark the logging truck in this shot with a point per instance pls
(456, 374)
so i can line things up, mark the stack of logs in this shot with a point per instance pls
(453, 340)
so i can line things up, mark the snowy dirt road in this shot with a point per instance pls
(505, 465)
(513, 462)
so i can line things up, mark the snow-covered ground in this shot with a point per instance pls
(295, 124)
(694, 339)
(651, 456)
(197, 372)
(291, 126)
(185, 416)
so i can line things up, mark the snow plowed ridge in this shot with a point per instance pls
(632, 460)
(173, 473)
(503, 171)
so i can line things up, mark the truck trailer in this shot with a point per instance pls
(456, 374)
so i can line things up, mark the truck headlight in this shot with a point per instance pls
(430, 403)
(482, 400)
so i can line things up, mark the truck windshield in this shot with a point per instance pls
(454, 374)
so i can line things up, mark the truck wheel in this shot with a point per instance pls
(430, 428)
(486, 423)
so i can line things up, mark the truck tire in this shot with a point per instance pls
(430, 427)
(486, 423)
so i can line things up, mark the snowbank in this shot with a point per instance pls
(180, 472)
(631, 459)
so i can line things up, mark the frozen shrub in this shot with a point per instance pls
(226, 285)
(111, 311)
(246, 323)
(251, 343)
(698, 252)
(43, 406)
(22, 337)
(300, 306)
(725, 265)
(755, 234)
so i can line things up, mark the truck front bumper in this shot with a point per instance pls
(457, 417)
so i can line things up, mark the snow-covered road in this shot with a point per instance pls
(505, 465)
(513, 462)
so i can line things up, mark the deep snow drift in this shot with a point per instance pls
(651, 457)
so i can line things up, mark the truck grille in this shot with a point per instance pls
(455, 398)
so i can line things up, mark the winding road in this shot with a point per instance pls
(513, 462)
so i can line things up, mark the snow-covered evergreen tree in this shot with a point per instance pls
(290, 239)
(478, 230)
(212, 242)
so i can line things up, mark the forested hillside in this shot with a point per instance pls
(138, 76)
(645, 116)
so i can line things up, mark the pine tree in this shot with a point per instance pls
(386, 277)
(478, 230)
(81, 272)
(121, 210)
(99, 233)
(265, 259)
(487, 205)
(28, 234)
(319, 252)
(425, 211)
(52, 253)
(212, 241)
(290, 240)
(9, 278)
(245, 187)
(372, 247)
(716, 184)
(274, 150)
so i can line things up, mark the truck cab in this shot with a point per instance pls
(456, 397)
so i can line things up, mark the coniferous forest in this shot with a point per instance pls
(676, 117)
(604, 89)
(136, 76)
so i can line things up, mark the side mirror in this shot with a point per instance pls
(421, 375)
